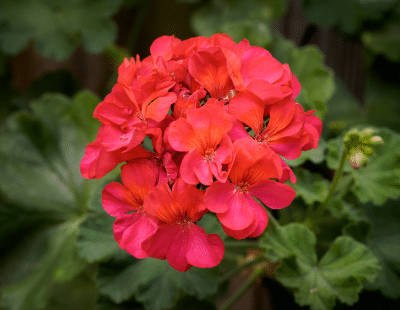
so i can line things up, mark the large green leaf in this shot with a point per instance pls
(307, 64)
(337, 275)
(380, 179)
(154, 283)
(96, 241)
(57, 27)
(238, 19)
(96, 238)
(40, 152)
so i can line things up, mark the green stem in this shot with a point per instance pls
(318, 213)
(336, 178)
(256, 274)
(272, 219)
(236, 270)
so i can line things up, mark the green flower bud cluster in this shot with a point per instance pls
(360, 145)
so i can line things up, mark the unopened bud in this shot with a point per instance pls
(360, 146)
(376, 140)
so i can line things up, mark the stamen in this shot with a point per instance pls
(262, 139)
(209, 154)
(184, 222)
(242, 187)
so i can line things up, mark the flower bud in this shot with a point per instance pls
(360, 146)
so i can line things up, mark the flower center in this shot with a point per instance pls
(242, 187)
(229, 96)
(184, 222)
(156, 159)
(262, 139)
(209, 154)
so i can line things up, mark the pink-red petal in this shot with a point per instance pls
(273, 194)
(239, 215)
(117, 200)
(202, 250)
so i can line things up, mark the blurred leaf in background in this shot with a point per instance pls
(239, 19)
(43, 190)
(57, 27)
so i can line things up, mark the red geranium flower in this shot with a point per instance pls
(177, 238)
(132, 225)
(250, 176)
(203, 134)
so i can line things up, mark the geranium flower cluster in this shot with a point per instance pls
(219, 116)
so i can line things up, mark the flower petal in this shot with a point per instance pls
(117, 200)
(262, 217)
(138, 178)
(191, 175)
(157, 244)
(273, 194)
(217, 196)
(202, 250)
(249, 109)
(209, 68)
(97, 162)
(239, 215)
(140, 228)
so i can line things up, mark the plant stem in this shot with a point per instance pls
(256, 274)
(319, 211)
(336, 178)
(272, 219)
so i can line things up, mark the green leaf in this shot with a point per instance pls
(72, 23)
(338, 275)
(40, 152)
(307, 64)
(344, 210)
(385, 245)
(59, 263)
(292, 239)
(151, 277)
(380, 179)
(96, 237)
(384, 40)
(312, 187)
(238, 19)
